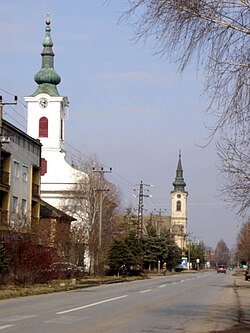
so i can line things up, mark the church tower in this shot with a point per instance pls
(179, 208)
(46, 117)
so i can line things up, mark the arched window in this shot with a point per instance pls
(43, 127)
(178, 206)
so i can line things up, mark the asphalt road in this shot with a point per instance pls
(189, 302)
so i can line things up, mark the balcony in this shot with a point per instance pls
(4, 178)
(35, 190)
(3, 218)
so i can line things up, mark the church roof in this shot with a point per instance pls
(179, 183)
(47, 78)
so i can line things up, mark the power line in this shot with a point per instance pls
(101, 189)
(118, 182)
(141, 196)
(13, 95)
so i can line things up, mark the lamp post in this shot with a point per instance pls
(101, 189)
(189, 253)
(189, 248)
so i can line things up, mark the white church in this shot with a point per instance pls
(46, 117)
(46, 111)
(179, 208)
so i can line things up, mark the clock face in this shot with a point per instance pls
(43, 103)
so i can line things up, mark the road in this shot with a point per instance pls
(189, 303)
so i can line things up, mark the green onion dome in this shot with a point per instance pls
(47, 78)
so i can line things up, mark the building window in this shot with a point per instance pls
(25, 173)
(43, 166)
(16, 169)
(24, 207)
(61, 130)
(178, 206)
(43, 127)
(15, 205)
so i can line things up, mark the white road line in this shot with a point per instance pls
(145, 291)
(163, 285)
(11, 319)
(5, 326)
(182, 281)
(92, 304)
(173, 282)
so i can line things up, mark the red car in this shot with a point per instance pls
(221, 269)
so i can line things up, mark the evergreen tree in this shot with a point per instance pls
(135, 248)
(119, 256)
(197, 251)
(154, 248)
(174, 255)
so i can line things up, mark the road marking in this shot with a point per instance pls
(68, 320)
(182, 281)
(145, 291)
(92, 304)
(6, 326)
(163, 285)
(18, 317)
(173, 282)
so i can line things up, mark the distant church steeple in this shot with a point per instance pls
(47, 78)
(179, 183)
(179, 208)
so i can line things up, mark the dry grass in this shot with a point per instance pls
(11, 291)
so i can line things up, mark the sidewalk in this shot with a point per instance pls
(242, 290)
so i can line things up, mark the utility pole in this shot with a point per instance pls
(101, 171)
(140, 208)
(2, 140)
(1, 114)
(158, 222)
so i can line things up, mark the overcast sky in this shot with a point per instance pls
(128, 106)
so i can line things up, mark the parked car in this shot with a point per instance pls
(221, 269)
(179, 268)
(247, 274)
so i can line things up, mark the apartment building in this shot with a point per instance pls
(19, 178)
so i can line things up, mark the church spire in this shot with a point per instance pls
(179, 183)
(47, 78)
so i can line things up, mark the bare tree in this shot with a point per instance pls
(217, 34)
(221, 254)
(83, 202)
(243, 243)
(235, 166)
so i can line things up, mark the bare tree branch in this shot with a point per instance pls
(217, 34)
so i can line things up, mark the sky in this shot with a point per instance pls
(128, 106)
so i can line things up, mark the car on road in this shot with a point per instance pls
(221, 269)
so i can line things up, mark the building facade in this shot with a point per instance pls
(179, 208)
(19, 178)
